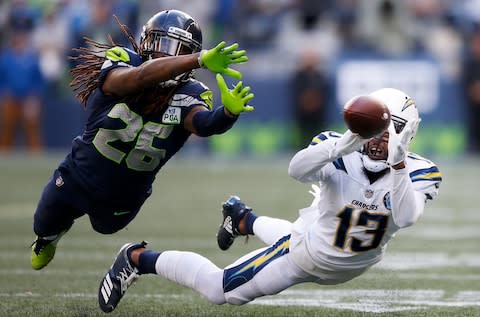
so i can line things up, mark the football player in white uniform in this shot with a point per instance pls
(364, 192)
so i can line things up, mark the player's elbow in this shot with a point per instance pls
(405, 221)
(299, 176)
(294, 172)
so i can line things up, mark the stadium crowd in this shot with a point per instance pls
(36, 36)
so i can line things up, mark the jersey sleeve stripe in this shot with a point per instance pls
(340, 165)
(318, 139)
(426, 174)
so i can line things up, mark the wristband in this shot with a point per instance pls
(200, 62)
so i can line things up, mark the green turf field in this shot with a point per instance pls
(431, 269)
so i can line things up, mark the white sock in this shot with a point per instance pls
(194, 271)
(269, 230)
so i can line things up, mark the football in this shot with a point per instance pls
(366, 116)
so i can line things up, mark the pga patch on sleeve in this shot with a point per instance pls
(172, 115)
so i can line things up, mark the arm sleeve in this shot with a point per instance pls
(207, 123)
(407, 203)
(324, 148)
(307, 162)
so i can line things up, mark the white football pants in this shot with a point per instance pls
(265, 271)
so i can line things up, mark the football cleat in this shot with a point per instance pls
(119, 277)
(233, 211)
(43, 251)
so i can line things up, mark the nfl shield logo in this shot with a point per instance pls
(59, 181)
(368, 193)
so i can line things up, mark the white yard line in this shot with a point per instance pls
(392, 261)
(363, 300)
(425, 260)
(373, 301)
(395, 274)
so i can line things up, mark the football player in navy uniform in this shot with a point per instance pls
(142, 106)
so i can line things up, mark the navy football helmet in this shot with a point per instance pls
(170, 33)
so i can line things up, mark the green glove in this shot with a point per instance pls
(235, 100)
(220, 57)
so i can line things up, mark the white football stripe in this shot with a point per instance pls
(107, 278)
(105, 296)
(107, 289)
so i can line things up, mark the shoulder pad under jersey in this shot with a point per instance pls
(425, 175)
(325, 136)
(192, 92)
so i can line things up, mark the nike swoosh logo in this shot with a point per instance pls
(120, 213)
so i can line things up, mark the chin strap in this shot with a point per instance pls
(374, 166)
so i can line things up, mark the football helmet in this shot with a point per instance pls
(403, 109)
(170, 33)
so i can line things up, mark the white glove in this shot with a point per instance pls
(349, 142)
(398, 143)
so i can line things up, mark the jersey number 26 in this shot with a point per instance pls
(143, 156)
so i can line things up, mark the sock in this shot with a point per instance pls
(269, 229)
(194, 271)
(146, 262)
(249, 220)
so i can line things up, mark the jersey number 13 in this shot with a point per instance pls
(375, 227)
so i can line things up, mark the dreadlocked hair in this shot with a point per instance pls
(89, 62)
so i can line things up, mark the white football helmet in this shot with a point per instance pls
(403, 109)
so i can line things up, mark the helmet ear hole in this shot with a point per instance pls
(402, 107)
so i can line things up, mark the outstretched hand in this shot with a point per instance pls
(236, 99)
(398, 143)
(219, 58)
(349, 142)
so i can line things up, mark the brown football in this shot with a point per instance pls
(366, 116)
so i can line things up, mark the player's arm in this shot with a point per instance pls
(325, 148)
(123, 81)
(204, 122)
(423, 180)
(407, 203)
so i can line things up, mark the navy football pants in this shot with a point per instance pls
(62, 201)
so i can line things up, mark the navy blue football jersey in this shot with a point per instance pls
(121, 150)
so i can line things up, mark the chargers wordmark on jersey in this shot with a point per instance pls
(172, 115)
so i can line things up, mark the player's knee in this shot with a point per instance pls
(215, 298)
(210, 286)
(104, 229)
(236, 299)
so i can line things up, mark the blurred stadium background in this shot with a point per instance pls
(425, 47)
(420, 46)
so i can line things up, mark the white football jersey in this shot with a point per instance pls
(350, 220)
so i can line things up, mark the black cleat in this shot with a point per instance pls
(233, 211)
(121, 275)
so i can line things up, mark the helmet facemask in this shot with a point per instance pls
(174, 42)
(375, 153)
